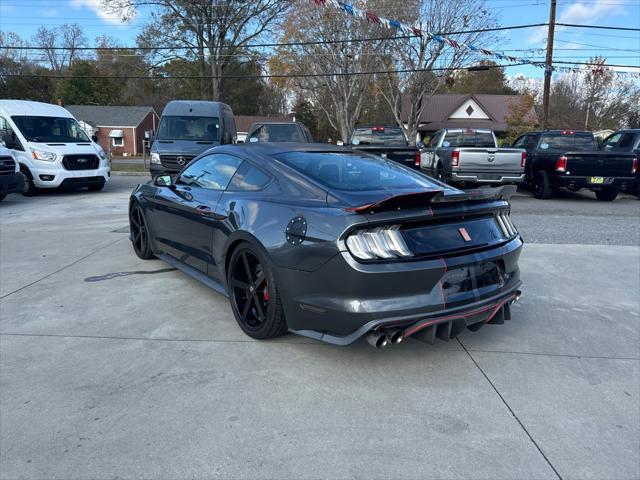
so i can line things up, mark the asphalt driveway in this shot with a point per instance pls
(112, 367)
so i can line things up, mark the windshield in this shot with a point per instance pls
(469, 138)
(354, 171)
(378, 136)
(50, 129)
(197, 129)
(276, 133)
(559, 141)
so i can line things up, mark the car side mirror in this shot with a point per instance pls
(10, 141)
(163, 181)
(94, 139)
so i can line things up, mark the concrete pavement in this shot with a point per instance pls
(111, 367)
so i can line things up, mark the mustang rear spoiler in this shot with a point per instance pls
(422, 199)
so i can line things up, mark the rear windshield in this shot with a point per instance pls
(559, 141)
(378, 136)
(50, 129)
(276, 133)
(200, 129)
(469, 138)
(354, 171)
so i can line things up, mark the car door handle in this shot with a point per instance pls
(207, 212)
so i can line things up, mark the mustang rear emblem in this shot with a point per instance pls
(464, 234)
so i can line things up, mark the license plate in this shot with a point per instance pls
(596, 180)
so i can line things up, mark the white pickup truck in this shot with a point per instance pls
(471, 156)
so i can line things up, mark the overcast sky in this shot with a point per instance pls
(619, 47)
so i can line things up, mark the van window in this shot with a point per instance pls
(276, 133)
(6, 133)
(50, 129)
(199, 129)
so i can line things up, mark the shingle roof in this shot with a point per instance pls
(110, 116)
(439, 107)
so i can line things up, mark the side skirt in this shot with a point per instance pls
(193, 273)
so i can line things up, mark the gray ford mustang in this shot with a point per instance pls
(333, 244)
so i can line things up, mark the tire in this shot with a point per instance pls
(607, 195)
(96, 188)
(30, 189)
(542, 186)
(139, 233)
(253, 294)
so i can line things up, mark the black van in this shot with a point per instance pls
(188, 128)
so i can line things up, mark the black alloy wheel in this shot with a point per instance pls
(139, 233)
(607, 194)
(542, 186)
(254, 298)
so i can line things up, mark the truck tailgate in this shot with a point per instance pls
(601, 164)
(406, 156)
(506, 160)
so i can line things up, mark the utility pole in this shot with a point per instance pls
(548, 69)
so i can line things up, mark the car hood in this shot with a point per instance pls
(61, 149)
(181, 147)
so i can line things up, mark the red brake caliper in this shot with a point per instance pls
(266, 293)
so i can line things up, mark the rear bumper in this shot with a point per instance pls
(344, 300)
(579, 182)
(493, 178)
(13, 183)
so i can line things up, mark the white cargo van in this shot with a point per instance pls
(50, 147)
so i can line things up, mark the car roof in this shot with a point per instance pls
(28, 108)
(560, 131)
(194, 108)
(270, 149)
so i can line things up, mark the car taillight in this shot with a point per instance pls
(506, 225)
(455, 158)
(523, 159)
(634, 165)
(561, 164)
(416, 159)
(378, 243)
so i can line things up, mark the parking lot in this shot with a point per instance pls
(112, 367)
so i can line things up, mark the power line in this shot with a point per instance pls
(599, 27)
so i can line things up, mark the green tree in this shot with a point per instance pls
(87, 86)
(491, 81)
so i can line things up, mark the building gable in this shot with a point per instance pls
(470, 109)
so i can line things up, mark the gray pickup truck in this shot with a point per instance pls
(471, 156)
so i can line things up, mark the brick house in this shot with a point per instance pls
(120, 130)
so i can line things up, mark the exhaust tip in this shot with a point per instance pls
(377, 340)
(395, 337)
(517, 296)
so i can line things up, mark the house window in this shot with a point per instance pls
(118, 142)
(117, 138)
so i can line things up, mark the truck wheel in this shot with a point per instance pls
(607, 195)
(542, 186)
(29, 187)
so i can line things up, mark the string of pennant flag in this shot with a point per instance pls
(398, 26)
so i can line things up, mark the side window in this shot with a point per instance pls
(610, 143)
(7, 135)
(212, 172)
(531, 142)
(248, 178)
(434, 140)
(519, 143)
(626, 142)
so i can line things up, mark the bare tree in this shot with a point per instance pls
(60, 45)
(423, 64)
(330, 75)
(211, 31)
